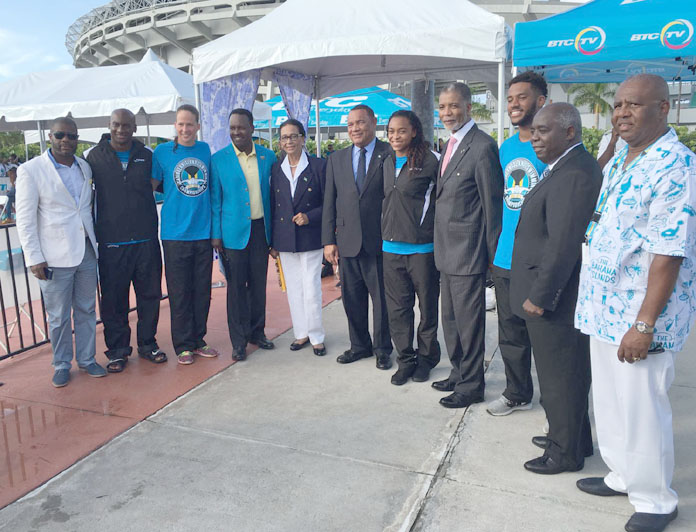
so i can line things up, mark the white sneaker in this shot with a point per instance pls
(502, 406)
(490, 299)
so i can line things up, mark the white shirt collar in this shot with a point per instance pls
(462, 131)
(301, 165)
(551, 165)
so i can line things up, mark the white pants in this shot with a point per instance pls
(633, 418)
(303, 282)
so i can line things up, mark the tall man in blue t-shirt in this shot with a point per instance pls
(522, 170)
(183, 167)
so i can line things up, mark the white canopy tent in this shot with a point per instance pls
(151, 89)
(349, 45)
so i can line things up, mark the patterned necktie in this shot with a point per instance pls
(362, 170)
(448, 154)
(545, 173)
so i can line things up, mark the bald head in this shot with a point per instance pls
(122, 126)
(555, 128)
(641, 106)
(651, 84)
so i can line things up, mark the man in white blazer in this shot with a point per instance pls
(54, 223)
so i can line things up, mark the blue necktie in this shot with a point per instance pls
(362, 171)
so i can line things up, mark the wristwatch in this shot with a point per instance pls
(644, 328)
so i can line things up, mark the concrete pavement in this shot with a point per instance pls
(287, 441)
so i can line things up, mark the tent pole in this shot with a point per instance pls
(501, 98)
(513, 74)
(42, 137)
(198, 106)
(147, 126)
(316, 116)
(26, 146)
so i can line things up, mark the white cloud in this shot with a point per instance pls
(21, 54)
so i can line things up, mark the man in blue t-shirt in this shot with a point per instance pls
(183, 167)
(522, 171)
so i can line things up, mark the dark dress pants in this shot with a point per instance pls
(513, 339)
(362, 276)
(246, 271)
(406, 276)
(463, 302)
(188, 270)
(562, 358)
(119, 266)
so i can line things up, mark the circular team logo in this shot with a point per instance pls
(520, 178)
(677, 34)
(590, 41)
(191, 177)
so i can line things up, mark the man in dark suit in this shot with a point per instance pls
(468, 217)
(546, 261)
(351, 235)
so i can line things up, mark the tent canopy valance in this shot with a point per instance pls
(610, 40)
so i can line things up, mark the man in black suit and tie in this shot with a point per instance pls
(546, 261)
(468, 218)
(351, 235)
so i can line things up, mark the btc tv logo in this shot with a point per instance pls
(588, 41)
(675, 35)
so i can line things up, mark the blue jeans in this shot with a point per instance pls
(72, 291)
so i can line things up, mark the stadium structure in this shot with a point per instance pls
(122, 30)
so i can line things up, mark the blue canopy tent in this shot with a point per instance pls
(334, 110)
(609, 40)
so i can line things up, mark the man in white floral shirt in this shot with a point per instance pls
(637, 299)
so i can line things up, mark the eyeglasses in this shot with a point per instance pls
(293, 137)
(60, 134)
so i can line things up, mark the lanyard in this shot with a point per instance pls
(611, 185)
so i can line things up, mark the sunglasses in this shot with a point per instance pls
(60, 134)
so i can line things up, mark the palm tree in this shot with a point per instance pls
(480, 111)
(594, 96)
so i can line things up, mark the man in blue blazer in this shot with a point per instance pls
(241, 232)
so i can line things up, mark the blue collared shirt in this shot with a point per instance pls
(71, 176)
(368, 155)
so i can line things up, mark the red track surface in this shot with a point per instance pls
(44, 430)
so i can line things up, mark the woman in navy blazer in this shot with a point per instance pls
(297, 193)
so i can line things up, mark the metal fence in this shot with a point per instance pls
(24, 324)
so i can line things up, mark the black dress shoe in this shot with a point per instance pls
(443, 385)
(459, 400)
(262, 342)
(597, 486)
(402, 375)
(545, 465)
(642, 522)
(422, 373)
(384, 361)
(296, 346)
(542, 442)
(239, 353)
(319, 351)
(351, 356)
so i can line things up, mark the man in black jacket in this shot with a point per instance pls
(129, 251)
(351, 227)
(546, 261)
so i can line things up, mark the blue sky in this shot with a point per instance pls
(32, 34)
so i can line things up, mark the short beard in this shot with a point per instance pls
(527, 119)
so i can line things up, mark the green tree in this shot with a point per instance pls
(593, 95)
(480, 111)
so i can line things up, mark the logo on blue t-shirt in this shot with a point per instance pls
(520, 178)
(191, 176)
